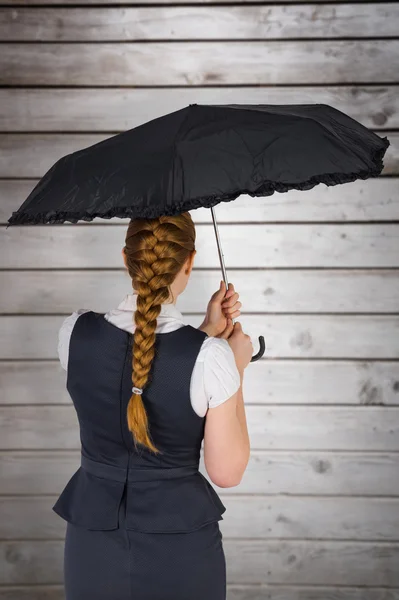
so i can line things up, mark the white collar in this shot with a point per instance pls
(167, 310)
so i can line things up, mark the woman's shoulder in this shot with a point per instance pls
(221, 377)
(64, 334)
(69, 321)
(218, 357)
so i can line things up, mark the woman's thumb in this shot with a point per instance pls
(219, 294)
(237, 326)
(228, 330)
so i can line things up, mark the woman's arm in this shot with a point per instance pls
(226, 440)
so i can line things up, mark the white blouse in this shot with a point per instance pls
(215, 377)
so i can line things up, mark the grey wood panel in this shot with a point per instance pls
(282, 517)
(282, 592)
(372, 200)
(287, 517)
(191, 23)
(110, 109)
(31, 155)
(88, 3)
(42, 592)
(234, 592)
(304, 290)
(287, 336)
(199, 63)
(266, 382)
(268, 472)
(248, 561)
(270, 427)
(369, 564)
(244, 246)
(31, 562)
(288, 567)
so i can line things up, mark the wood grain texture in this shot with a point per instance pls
(294, 291)
(244, 246)
(287, 336)
(270, 427)
(304, 336)
(31, 155)
(89, 3)
(316, 562)
(114, 109)
(266, 382)
(248, 561)
(269, 472)
(281, 517)
(204, 22)
(234, 592)
(372, 200)
(283, 592)
(199, 63)
(38, 592)
(314, 273)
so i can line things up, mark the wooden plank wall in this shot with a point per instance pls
(316, 516)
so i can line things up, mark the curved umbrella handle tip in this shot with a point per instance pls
(262, 348)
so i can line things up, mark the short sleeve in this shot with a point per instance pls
(221, 375)
(64, 336)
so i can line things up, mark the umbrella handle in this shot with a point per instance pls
(262, 349)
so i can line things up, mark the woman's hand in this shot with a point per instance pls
(222, 308)
(241, 345)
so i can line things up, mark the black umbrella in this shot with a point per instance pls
(201, 155)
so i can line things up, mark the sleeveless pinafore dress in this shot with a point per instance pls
(140, 526)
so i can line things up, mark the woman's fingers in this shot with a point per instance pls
(230, 309)
(233, 315)
(231, 301)
(228, 330)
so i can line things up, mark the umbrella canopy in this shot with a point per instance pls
(202, 155)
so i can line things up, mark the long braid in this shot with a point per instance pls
(156, 250)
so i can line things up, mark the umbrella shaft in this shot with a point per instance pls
(220, 251)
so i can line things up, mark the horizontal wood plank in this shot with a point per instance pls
(113, 109)
(31, 155)
(350, 545)
(234, 592)
(307, 290)
(306, 563)
(39, 592)
(248, 561)
(191, 23)
(282, 517)
(268, 472)
(270, 427)
(199, 63)
(284, 592)
(244, 246)
(287, 336)
(372, 200)
(88, 3)
(266, 382)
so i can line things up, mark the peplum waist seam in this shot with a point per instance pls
(158, 500)
(134, 474)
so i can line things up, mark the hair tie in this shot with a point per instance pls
(137, 390)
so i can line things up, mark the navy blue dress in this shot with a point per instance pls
(140, 526)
